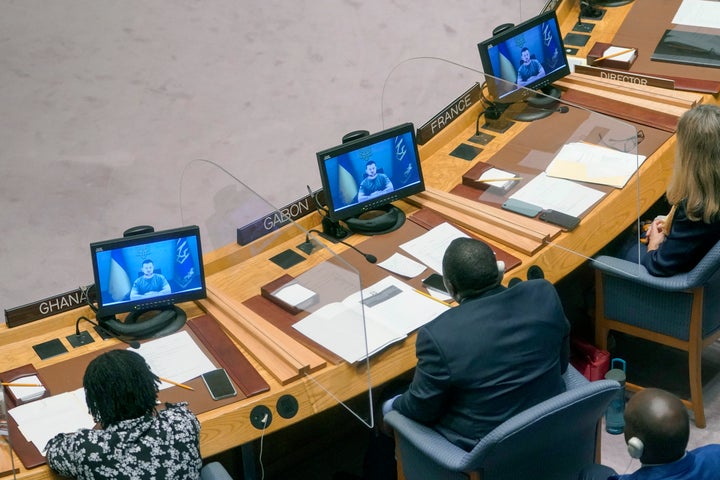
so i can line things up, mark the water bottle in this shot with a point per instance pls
(614, 415)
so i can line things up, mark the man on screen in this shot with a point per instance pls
(150, 284)
(374, 184)
(530, 69)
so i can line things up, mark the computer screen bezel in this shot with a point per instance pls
(101, 251)
(488, 49)
(330, 156)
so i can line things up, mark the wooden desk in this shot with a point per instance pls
(605, 221)
(227, 271)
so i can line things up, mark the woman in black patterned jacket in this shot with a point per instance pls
(132, 439)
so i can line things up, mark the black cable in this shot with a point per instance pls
(133, 343)
(369, 257)
(318, 207)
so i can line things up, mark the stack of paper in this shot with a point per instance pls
(41, 420)
(590, 163)
(363, 324)
(27, 393)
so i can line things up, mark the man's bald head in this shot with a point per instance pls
(661, 421)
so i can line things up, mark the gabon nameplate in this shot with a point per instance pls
(280, 217)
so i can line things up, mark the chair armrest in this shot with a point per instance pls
(639, 274)
(427, 441)
(432, 445)
(214, 471)
(573, 378)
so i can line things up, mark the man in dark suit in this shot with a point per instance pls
(499, 352)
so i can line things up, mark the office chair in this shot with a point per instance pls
(214, 471)
(554, 439)
(682, 311)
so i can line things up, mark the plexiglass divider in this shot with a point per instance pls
(7, 461)
(303, 278)
(568, 159)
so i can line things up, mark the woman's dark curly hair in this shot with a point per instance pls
(119, 385)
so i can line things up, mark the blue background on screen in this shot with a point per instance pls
(395, 156)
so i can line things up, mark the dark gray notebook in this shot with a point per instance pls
(689, 48)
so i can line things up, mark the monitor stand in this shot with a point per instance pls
(534, 107)
(384, 219)
(150, 323)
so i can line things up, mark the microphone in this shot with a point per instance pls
(318, 207)
(477, 122)
(369, 257)
(133, 343)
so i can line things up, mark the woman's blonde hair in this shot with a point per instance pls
(696, 174)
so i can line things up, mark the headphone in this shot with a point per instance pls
(501, 269)
(635, 447)
(386, 222)
(163, 323)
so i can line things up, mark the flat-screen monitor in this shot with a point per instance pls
(368, 173)
(147, 272)
(530, 55)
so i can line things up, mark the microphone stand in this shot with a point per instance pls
(104, 331)
(308, 246)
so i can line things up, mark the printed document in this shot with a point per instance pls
(41, 420)
(430, 247)
(698, 13)
(392, 309)
(558, 194)
(585, 162)
(176, 357)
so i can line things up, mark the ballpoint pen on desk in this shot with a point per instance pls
(613, 55)
(177, 384)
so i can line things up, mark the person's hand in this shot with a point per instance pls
(656, 234)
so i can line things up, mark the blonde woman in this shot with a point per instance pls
(677, 242)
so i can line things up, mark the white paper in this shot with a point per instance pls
(402, 265)
(342, 328)
(294, 294)
(439, 294)
(430, 247)
(586, 162)
(558, 194)
(27, 394)
(493, 173)
(698, 13)
(625, 57)
(41, 420)
(176, 357)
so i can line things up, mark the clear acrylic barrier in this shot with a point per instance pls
(219, 204)
(550, 155)
(7, 462)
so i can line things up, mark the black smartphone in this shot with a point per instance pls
(523, 208)
(218, 384)
(568, 222)
(435, 281)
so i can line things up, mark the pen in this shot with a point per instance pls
(182, 385)
(506, 179)
(11, 384)
(616, 54)
(430, 296)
